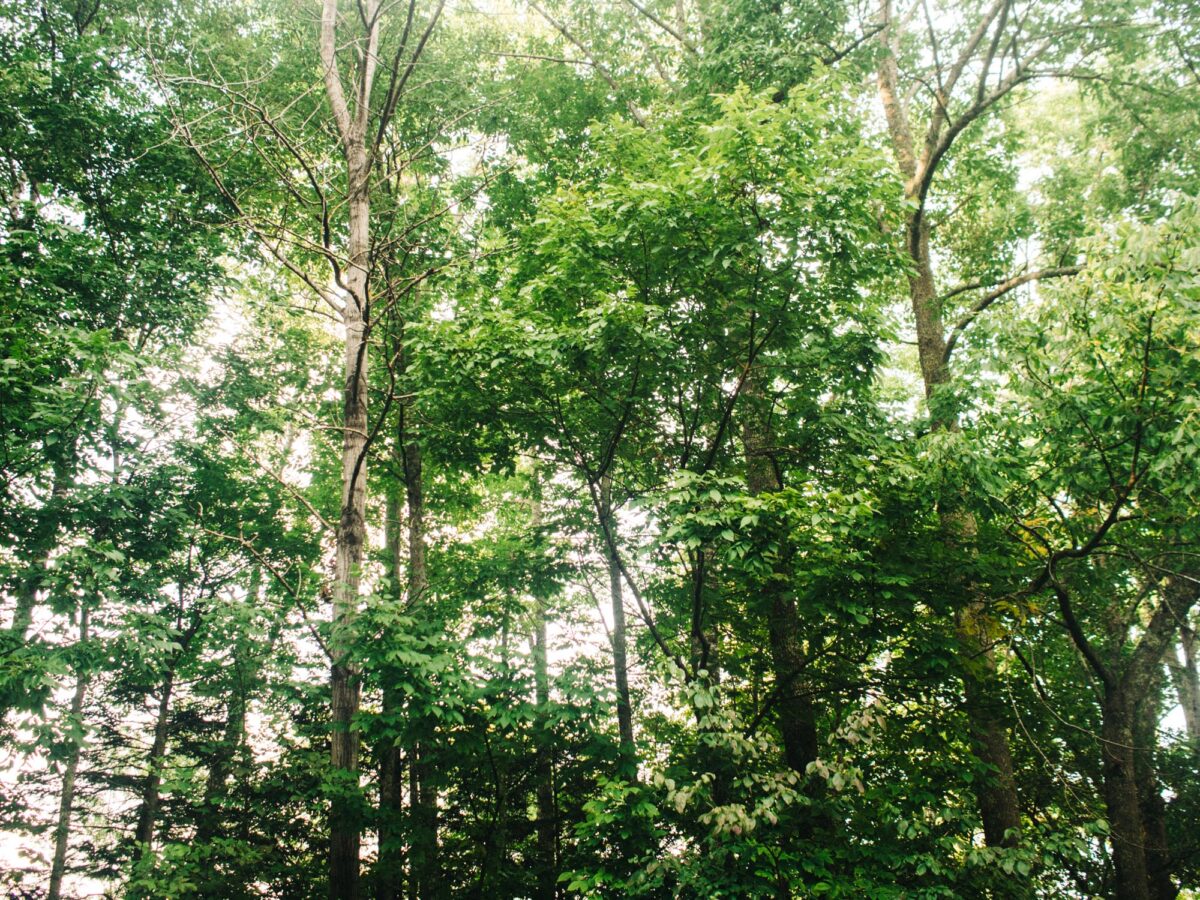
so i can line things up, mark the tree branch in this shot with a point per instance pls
(1003, 288)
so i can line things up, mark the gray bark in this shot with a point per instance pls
(996, 796)
(345, 687)
(628, 747)
(62, 831)
(547, 814)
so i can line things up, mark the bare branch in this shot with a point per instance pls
(665, 26)
(992, 296)
(604, 71)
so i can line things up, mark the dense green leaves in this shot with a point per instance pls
(677, 583)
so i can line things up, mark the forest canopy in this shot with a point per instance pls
(599, 449)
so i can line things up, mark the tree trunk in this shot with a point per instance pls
(425, 877)
(795, 712)
(418, 572)
(1187, 681)
(232, 741)
(345, 688)
(390, 880)
(705, 652)
(1153, 808)
(546, 825)
(996, 796)
(62, 831)
(244, 671)
(1121, 796)
(391, 809)
(416, 846)
(345, 826)
(547, 814)
(628, 748)
(148, 814)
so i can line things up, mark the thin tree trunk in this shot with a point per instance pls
(62, 831)
(546, 826)
(148, 814)
(418, 572)
(425, 875)
(795, 712)
(628, 748)
(416, 846)
(345, 688)
(233, 737)
(706, 659)
(390, 881)
(425, 880)
(351, 540)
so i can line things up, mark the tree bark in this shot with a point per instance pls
(232, 741)
(390, 880)
(148, 813)
(795, 712)
(1153, 809)
(628, 748)
(425, 877)
(1187, 681)
(1129, 731)
(345, 687)
(996, 796)
(62, 831)
(547, 815)
(1121, 796)
(244, 671)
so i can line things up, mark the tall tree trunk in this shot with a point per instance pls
(425, 878)
(418, 572)
(706, 659)
(351, 541)
(1153, 808)
(148, 813)
(546, 825)
(62, 831)
(1121, 795)
(233, 737)
(795, 712)
(390, 880)
(390, 883)
(345, 687)
(231, 745)
(1132, 676)
(996, 796)
(628, 748)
